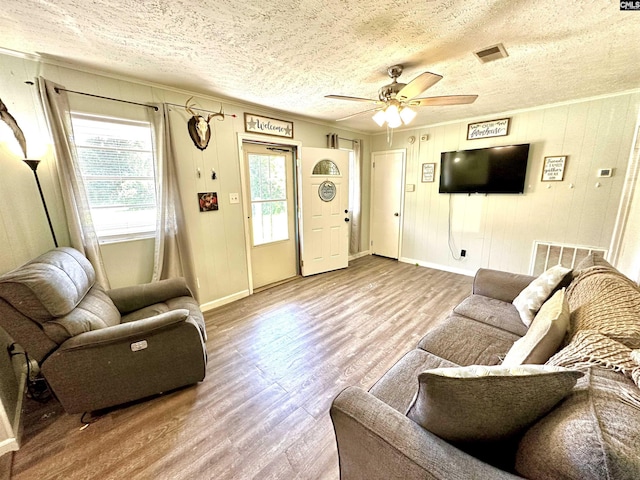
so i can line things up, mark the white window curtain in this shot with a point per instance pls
(172, 253)
(55, 103)
(356, 210)
(355, 180)
(173, 256)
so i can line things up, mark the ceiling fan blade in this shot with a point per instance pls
(418, 85)
(445, 100)
(356, 114)
(353, 99)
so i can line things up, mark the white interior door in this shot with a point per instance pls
(324, 181)
(386, 202)
(271, 202)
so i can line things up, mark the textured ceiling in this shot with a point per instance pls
(288, 54)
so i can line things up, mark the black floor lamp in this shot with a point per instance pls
(33, 165)
(6, 117)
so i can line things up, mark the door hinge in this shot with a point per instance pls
(372, 243)
(302, 263)
(374, 165)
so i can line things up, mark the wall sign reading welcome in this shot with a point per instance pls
(268, 126)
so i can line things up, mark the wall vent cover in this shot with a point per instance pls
(546, 255)
(489, 54)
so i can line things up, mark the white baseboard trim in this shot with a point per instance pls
(437, 266)
(224, 300)
(359, 255)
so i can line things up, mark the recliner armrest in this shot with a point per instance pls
(500, 285)
(125, 331)
(129, 299)
(376, 441)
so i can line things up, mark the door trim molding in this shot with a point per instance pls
(250, 137)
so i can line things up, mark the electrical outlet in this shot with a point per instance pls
(463, 253)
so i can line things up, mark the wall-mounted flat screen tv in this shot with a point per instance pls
(484, 170)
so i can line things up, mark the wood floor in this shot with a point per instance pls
(276, 361)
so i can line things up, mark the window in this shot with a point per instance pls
(325, 167)
(117, 165)
(268, 180)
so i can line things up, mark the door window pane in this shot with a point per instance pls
(325, 167)
(269, 214)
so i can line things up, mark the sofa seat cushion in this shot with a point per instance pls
(592, 434)
(464, 341)
(492, 312)
(95, 311)
(398, 387)
(50, 285)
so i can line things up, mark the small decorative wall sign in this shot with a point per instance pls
(491, 128)
(428, 172)
(208, 201)
(327, 191)
(268, 126)
(553, 169)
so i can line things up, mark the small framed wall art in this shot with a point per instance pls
(428, 172)
(553, 169)
(208, 201)
(491, 128)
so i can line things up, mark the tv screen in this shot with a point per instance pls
(484, 170)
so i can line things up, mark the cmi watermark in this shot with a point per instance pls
(629, 5)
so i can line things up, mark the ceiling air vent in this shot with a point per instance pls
(490, 54)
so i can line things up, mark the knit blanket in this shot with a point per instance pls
(605, 323)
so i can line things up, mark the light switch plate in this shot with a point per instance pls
(234, 198)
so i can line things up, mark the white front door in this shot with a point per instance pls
(386, 202)
(271, 202)
(324, 180)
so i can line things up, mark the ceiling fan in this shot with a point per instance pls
(395, 99)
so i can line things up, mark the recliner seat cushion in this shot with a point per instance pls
(50, 285)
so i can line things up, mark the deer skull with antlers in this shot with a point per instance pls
(199, 128)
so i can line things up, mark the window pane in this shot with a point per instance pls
(269, 221)
(117, 163)
(267, 177)
(325, 167)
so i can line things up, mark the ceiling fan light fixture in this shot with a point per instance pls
(407, 115)
(392, 115)
(379, 117)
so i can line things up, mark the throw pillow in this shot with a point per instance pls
(485, 403)
(545, 334)
(529, 301)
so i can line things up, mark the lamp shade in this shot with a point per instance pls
(392, 115)
(379, 117)
(407, 115)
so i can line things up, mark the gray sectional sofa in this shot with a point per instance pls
(591, 433)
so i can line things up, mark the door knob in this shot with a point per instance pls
(396, 214)
(346, 211)
(346, 219)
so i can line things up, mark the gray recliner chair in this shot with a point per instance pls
(97, 348)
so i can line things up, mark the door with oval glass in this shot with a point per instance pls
(271, 201)
(325, 210)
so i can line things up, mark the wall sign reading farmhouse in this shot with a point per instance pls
(268, 126)
(492, 128)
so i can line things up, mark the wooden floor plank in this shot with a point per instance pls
(276, 361)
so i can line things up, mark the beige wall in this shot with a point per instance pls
(217, 238)
(498, 231)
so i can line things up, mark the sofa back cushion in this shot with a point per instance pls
(50, 285)
(592, 434)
